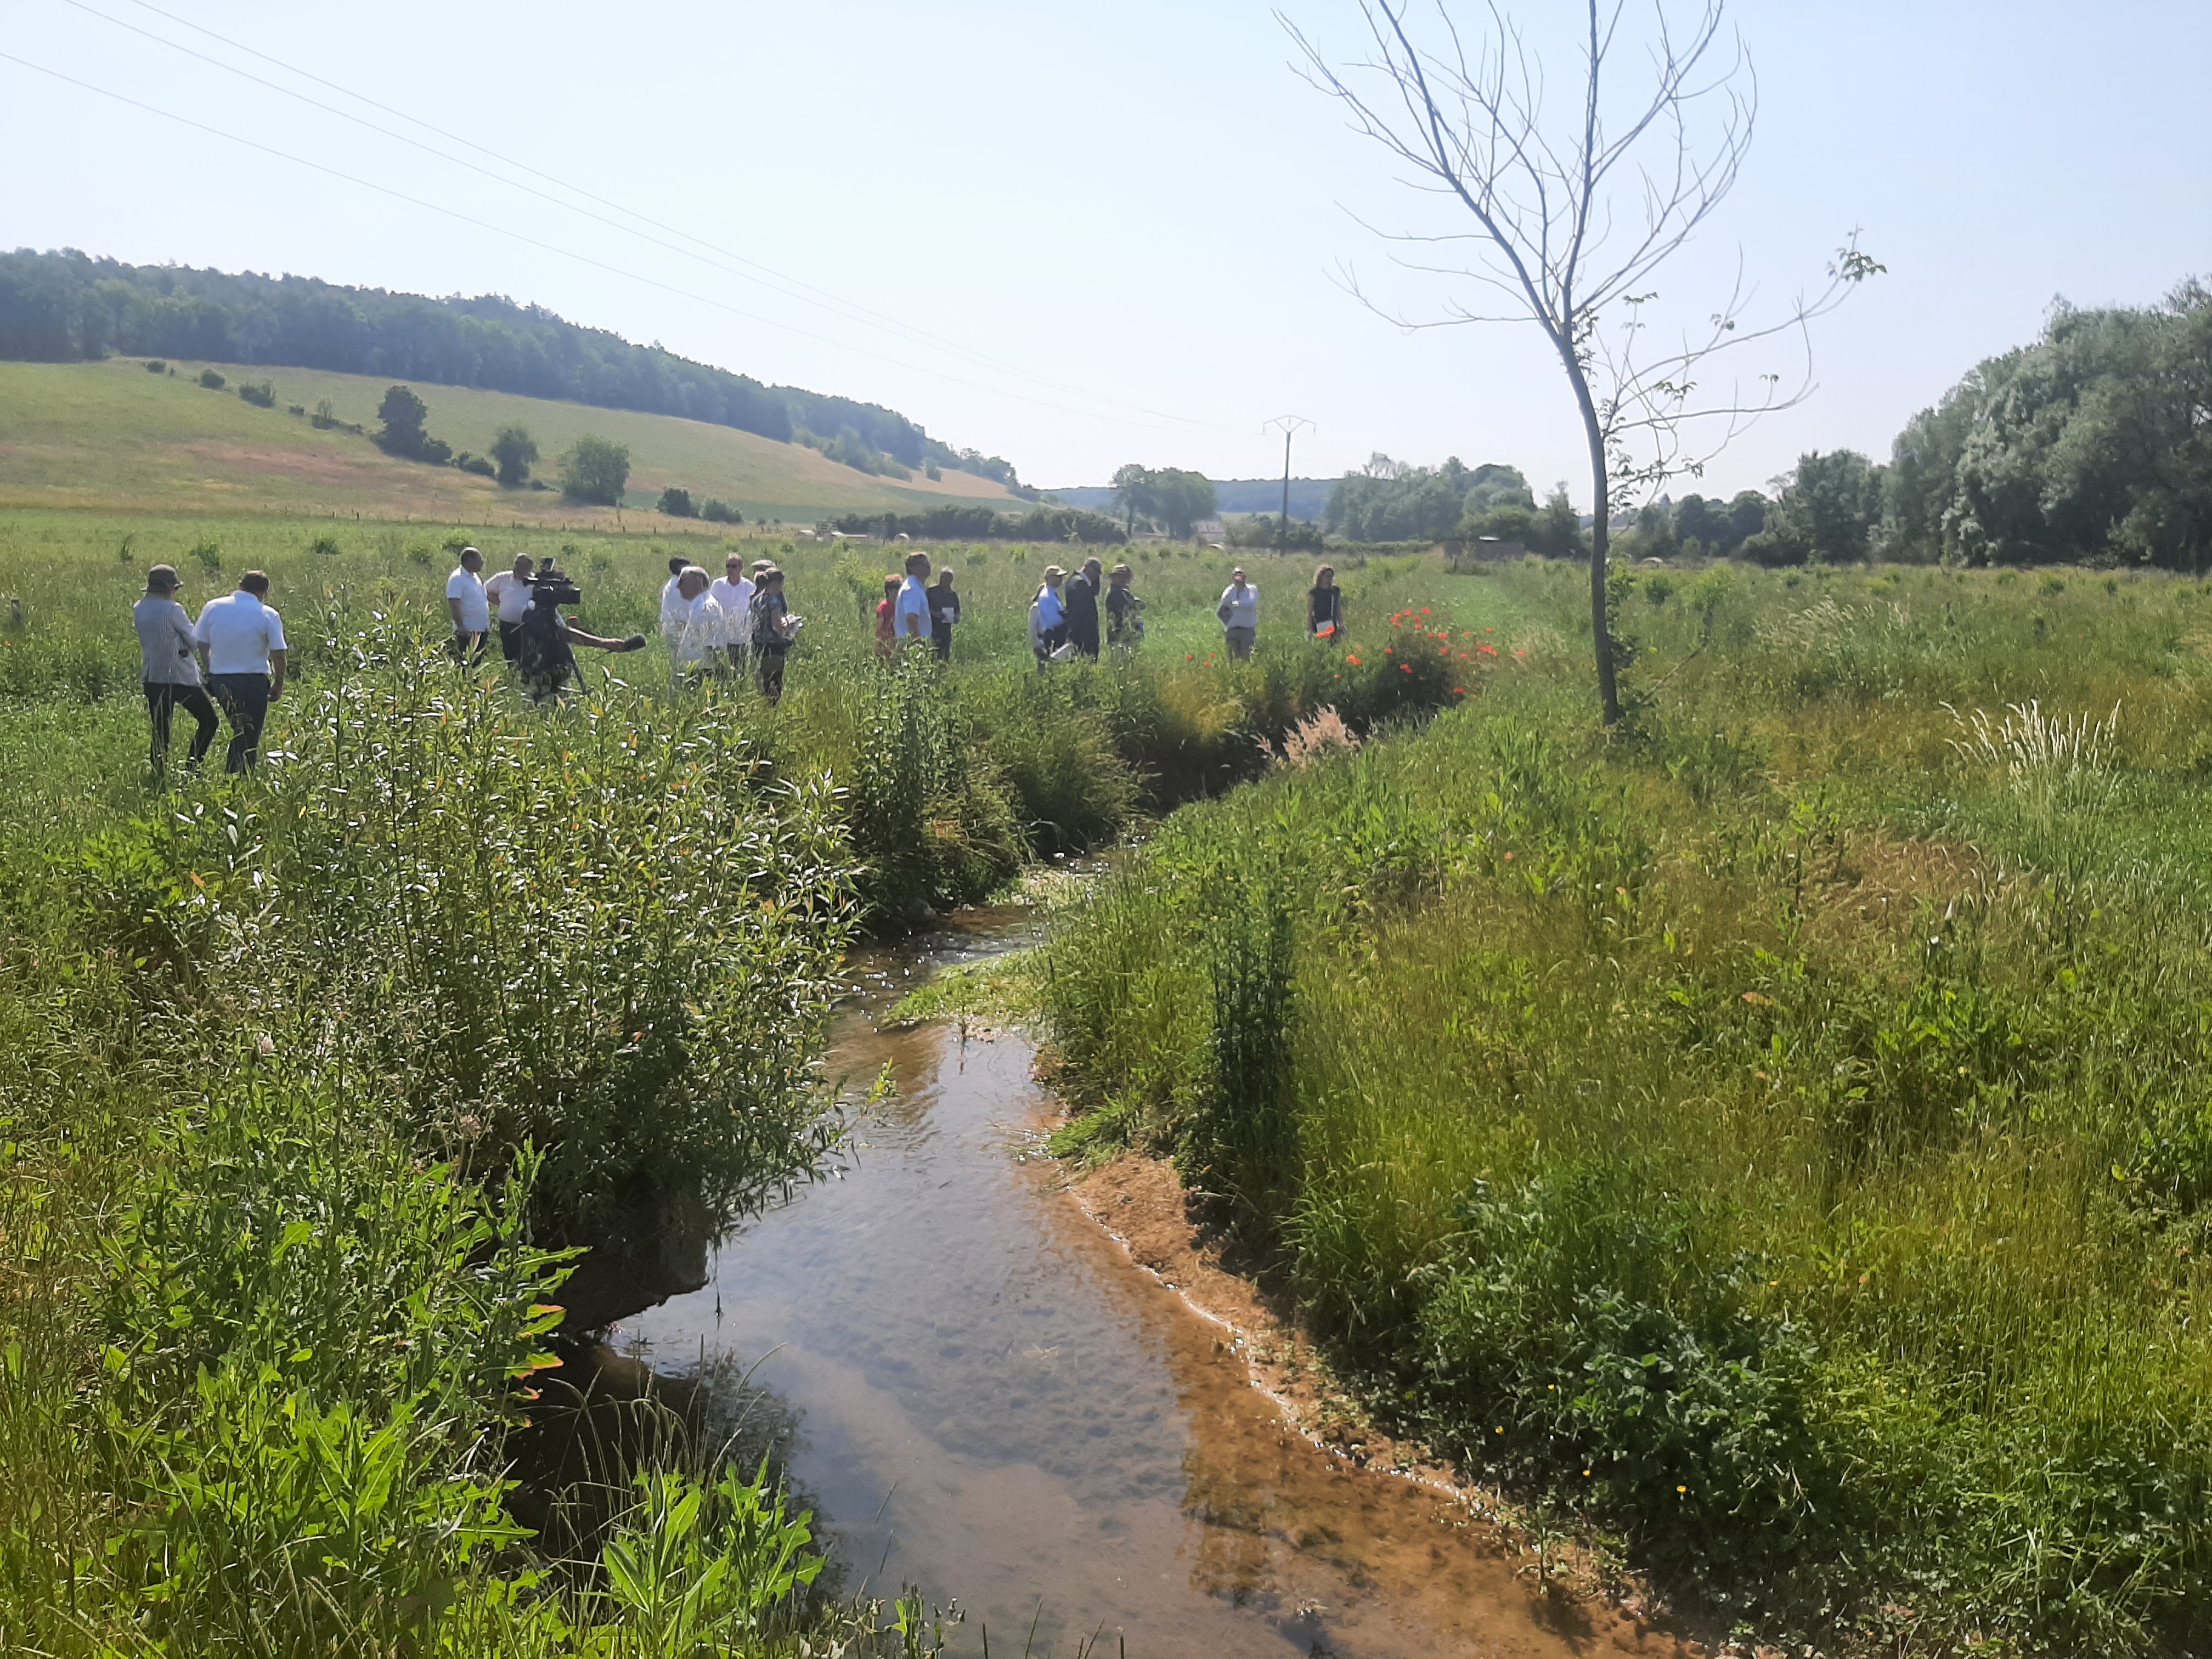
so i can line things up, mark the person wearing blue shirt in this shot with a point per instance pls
(910, 612)
(1047, 617)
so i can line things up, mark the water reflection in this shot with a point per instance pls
(994, 1404)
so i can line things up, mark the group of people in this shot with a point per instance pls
(736, 624)
(1064, 615)
(231, 658)
(915, 610)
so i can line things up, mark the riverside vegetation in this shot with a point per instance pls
(1776, 1134)
(314, 1083)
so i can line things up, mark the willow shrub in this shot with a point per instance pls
(608, 931)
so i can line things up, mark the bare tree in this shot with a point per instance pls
(1547, 235)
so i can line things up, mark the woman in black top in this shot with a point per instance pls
(944, 614)
(1325, 606)
(1124, 625)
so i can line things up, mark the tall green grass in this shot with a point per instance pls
(314, 1083)
(1775, 1131)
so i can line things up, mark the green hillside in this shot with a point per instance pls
(110, 434)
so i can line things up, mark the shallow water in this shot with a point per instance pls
(987, 1398)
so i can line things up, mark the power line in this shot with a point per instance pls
(776, 281)
(566, 253)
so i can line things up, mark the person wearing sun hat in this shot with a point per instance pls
(171, 676)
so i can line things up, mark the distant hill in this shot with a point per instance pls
(67, 306)
(1309, 496)
(110, 434)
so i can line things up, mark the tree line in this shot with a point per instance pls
(67, 306)
(978, 522)
(2094, 443)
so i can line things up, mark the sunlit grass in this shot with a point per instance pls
(1776, 1129)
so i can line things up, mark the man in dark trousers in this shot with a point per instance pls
(172, 678)
(241, 647)
(1082, 602)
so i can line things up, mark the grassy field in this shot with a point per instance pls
(1774, 1134)
(312, 1083)
(108, 433)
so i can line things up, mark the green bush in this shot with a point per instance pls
(211, 380)
(515, 1000)
(595, 469)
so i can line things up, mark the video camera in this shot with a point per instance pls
(553, 587)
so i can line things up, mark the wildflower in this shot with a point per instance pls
(1425, 611)
(1682, 1489)
(1354, 661)
(1459, 692)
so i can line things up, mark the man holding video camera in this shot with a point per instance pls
(545, 640)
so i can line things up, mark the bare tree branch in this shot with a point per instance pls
(1543, 203)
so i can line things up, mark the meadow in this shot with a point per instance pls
(318, 1084)
(102, 434)
(1771, 1138)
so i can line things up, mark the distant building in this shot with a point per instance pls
(1209, 530)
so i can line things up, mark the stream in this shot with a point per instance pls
(979, 1394)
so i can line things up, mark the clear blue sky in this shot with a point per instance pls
(1139, 203)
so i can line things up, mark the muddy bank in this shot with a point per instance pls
(1141, 1203)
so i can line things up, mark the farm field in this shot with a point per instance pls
(1772, 1138)
(109, 434)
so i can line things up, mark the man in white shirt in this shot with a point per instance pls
(671, 600)
(468, 607)
(733, 591)
(170, 676)
(1239, 612)
(241, 647)
(910, 613)
(509, 594)
(700, 626)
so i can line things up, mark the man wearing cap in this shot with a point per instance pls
(172, 678)
(470, 610)
(241, 647)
